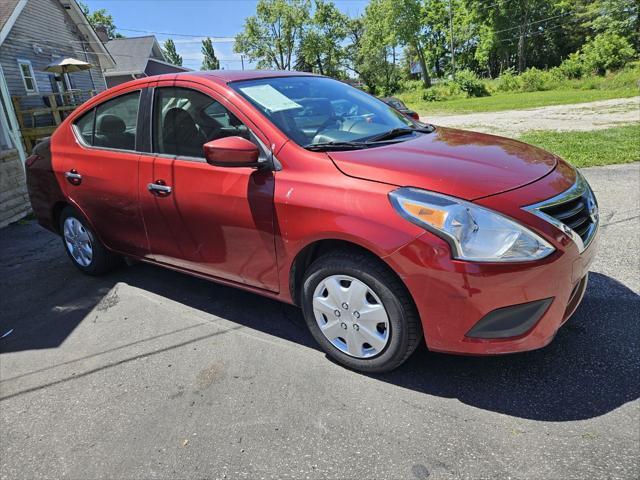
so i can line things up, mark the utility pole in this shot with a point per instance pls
(453, 57)
(242, 61)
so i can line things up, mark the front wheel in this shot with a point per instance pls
(83, 247)
(359, 312)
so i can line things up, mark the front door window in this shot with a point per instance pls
(184, 120)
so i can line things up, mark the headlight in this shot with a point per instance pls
(473, 232)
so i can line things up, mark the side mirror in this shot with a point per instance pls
(231, 152)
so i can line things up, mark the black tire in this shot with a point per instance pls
(102, 260)
(406, 329)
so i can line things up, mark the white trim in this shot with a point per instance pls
(13, 121)
(5, 131)
(123, 74)
(24, 61)
(12, 20)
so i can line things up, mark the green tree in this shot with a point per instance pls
(370, 52)
(518, 33)
(321, 43)
(273, 34)
(607, 51)
(210, 61)
(100, 18)
(612, 16)
(422, 26)
(170, 53)
(353, 45)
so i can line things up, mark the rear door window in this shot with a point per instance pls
(111, 124)
(116, 120)
(84, 126)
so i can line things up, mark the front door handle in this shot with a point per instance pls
(160, 188)
(73, 177)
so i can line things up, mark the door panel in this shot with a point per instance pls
(216, 221)
(103, 182)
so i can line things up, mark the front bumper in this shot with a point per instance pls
(452, 296)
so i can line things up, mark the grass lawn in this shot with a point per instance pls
(588, 149)
(513, 100)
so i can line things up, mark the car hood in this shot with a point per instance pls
(463, 164)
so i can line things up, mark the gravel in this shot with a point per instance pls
(577, 117)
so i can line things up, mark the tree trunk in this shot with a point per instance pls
(426, 79)
(522, 63)
(523, 30)
(320, 71)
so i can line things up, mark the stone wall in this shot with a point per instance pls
(14, 200)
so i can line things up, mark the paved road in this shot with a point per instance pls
(148, 373)
(580, 116)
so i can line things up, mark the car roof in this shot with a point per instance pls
(218, 76)
(226, 76)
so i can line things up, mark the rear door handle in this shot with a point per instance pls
(73, 177)
(160, 188)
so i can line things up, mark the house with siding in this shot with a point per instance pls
(137, 57)
(33, 34)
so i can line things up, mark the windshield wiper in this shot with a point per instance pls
(397, 132)
(375, 141)
(321, 147)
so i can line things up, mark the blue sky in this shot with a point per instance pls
(195, 18)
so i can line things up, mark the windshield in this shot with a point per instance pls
(318, 110)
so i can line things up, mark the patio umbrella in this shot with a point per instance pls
(67, 65)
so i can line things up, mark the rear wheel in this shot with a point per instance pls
(359, 312)
(83, 247)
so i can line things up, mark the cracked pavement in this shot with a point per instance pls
(148, 373)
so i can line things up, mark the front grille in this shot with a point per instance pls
(574, 211)
(574, 214)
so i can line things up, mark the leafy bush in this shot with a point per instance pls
(431, 95)
(572, 66)
(411, 85)
(628, 77)
(607, 51)
(448, 88)
(533, 80)
(556, 76)
(508, 81)
(468, 82)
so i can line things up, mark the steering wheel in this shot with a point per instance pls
(333, 119)
(356, 122)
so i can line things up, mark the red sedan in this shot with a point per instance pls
(385, 230)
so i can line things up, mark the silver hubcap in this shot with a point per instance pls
(78, 241)
(351, 316)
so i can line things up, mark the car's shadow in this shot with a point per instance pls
(591, 368)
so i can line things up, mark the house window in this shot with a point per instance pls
(28, 78)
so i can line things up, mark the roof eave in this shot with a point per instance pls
(77, 15)
(179, 67)
(6, 28)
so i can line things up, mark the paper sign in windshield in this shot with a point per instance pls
(270, 98)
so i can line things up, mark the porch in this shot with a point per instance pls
(37, 122)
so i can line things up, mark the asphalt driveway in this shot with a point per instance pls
(147, 373)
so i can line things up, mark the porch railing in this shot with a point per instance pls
(41, 121)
